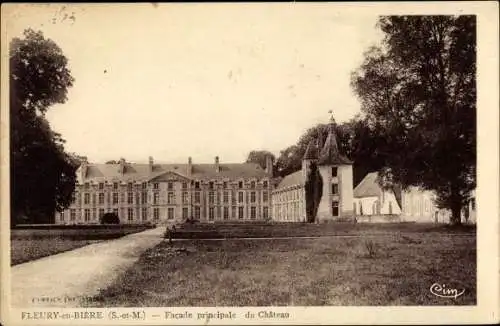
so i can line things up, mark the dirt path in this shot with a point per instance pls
(67, 278)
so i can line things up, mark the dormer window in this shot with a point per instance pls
(144, 185)
(115, 185)
(240, 184)
(197, 185)
(224, 184)
(252, 184)
(170, 185)
(334, 171)
(265, 183)
(211, 185)
(156, 185)
(129, 186)
(184, 185)
(101, 185)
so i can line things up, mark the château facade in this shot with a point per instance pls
(289, 197)
(157, 193)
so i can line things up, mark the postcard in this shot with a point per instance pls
(250, 163)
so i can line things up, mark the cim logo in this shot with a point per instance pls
(444, 292)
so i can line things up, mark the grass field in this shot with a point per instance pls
(395, 269)
(29, 243)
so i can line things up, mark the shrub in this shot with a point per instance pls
(110, 218)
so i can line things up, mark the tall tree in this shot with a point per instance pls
(260, 157)
(42, 174)
(418, 90)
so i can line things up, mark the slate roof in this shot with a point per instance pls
(140, 172)
(293, 179)
(311, 151)
(330, 154)
(368, 187)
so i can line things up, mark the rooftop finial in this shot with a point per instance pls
(332, 119)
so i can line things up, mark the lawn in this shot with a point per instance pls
(24, 250)
(395, 269)
(38, 241)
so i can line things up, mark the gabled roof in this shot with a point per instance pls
(368, 187)
(330, 154)
(293, 179)
(141, 172)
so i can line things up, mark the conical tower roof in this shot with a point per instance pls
(330, 154)
(311, 151)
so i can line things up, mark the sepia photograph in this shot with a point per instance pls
(235, 163)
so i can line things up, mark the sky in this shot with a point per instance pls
(177, 80)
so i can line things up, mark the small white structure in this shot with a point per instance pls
(377, 204)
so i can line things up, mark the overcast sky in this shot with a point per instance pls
(172, 81)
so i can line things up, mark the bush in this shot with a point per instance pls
(110, 218)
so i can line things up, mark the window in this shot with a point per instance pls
(101, 185)
(253, 211)
(185, 198)
(144, 213)
(334, 171)
(87, 214)
(240, 184)
(265, 212)
(170, 213)
(72, 214)
(130, 198)
(144, 197)
(252, 184)
(101, 212)
(197, 197)
(197, 212)
(197, 185)
(211, 185)
(225, 197)
(226, 213)
(335, 189)
(130, 214)
(240, 212)
(184, 212)
(335, 208)
(264, 184)
(61, 217)
(473, 204)
(86, 198)
(87, 185)
(115, 185)
(240, 196)
(252, 197)
(115, 210)
(144, 185)
(265, 196)
(115, 198)
(129, 186)
(224, 184)
(170, 185)
(156, 213)
(156, 196)
(170, 198)
(210, 213)
(184, 185)
(211, 197)
(156, 185)
(94, 214)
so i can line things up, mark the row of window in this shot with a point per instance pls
(143, 213)
(170, 185)
(141, 197)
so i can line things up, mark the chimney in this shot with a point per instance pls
(122, 166)
(190, 166)
(151, 162)
(217, 166)
(83, 169)
(269, 165)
